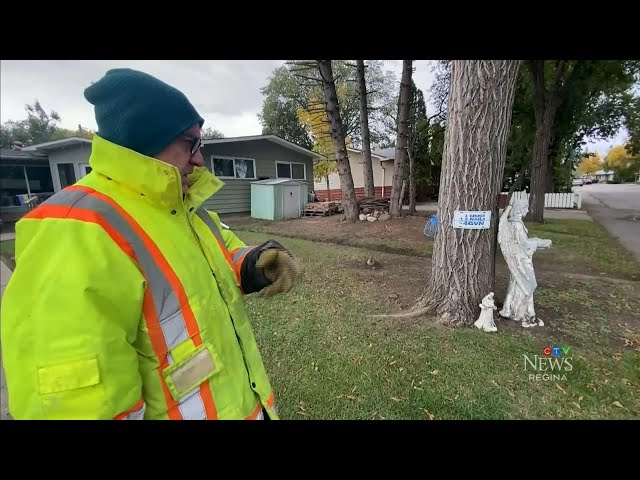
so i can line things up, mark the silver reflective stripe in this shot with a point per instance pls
(165, 300)
(137, 414)
(192, 408)
(206, 218)
(239, 253)
(260, 416)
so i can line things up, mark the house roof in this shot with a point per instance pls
(271, 138)
(55, 144)
(387, 153)
(376, 155)
(8, 154)
(277, 181)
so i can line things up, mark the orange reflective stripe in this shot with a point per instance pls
(206, 218)
(83, 215)
(255, 413)
(271, 400)
(134, 412)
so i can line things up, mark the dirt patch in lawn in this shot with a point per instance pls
(402, 235)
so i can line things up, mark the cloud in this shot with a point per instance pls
(227, 91)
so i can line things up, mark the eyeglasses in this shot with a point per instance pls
(196, 144)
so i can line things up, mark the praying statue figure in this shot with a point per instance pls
(518, 250)
(485, 320)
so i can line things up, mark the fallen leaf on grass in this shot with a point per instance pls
(495, 383)
(395, 399)
(429, 414)
(561, 389)
(577, 405)
(617, 357)
(625, 381)
(351, 397)
(303, 414)
(434, 372)
(619, 405)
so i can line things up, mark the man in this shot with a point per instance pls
(127, 299)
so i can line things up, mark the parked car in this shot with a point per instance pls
(577, 182)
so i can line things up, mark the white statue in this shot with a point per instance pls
(485, 320)
(518, 250)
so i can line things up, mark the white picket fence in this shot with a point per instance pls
(555, 200)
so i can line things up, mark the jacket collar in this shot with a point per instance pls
(155, 179)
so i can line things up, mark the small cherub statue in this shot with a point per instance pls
(485, 320)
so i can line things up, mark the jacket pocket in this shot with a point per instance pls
(72, 389)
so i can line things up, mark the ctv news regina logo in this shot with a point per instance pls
(551, 365)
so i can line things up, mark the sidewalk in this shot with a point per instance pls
(5, 274)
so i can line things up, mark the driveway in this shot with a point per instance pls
(616, 208)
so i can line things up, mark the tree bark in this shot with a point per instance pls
(480, 107)
(402, 142)
(364, 127)
(402, 190)
(339, 147)
(545, 109)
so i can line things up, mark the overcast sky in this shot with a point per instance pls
(225, 92)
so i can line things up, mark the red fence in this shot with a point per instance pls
(336, 193)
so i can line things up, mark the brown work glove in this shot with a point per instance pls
(280, 268)
(269, 269)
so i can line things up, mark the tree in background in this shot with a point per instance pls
(364, 129)
(315, 119)
(288, 90)
(590, 164)
(573, 99)
(209, 133)
(623, 163)
(402, 140)
(38, 127)
(336, 129)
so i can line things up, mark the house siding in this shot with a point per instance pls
(235, 195)
(381, 177)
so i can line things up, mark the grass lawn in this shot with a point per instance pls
(328, 359)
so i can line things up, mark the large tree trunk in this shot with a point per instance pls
(339, 147)
(328, 189)
(364, 126)
(479, 120)
(402, 141)
(545, 107)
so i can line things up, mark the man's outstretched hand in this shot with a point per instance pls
(280, 268)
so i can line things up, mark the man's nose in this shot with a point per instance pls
(197, 159)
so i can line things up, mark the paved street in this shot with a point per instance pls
(617, 208)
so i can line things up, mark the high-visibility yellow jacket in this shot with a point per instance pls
(126, 302)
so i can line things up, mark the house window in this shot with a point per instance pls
(292, 170)
(233, 167)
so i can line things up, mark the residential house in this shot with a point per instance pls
(382, 165)
(604, 176)
(47, 168)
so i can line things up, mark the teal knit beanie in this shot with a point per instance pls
(137, 111)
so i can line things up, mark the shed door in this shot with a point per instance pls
(291, 201)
